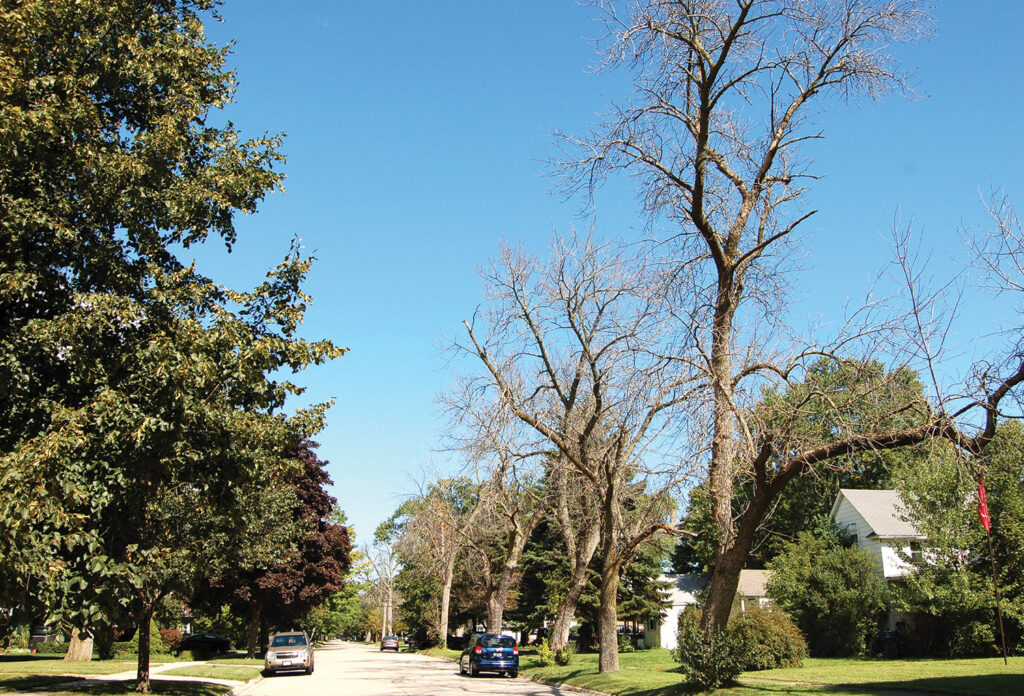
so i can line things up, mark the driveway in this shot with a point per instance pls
(362, 670)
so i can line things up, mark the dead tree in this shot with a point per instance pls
(723, 94)
(576, 349)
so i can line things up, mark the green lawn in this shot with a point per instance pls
(438, 651)
(167, 688)
(218, 671)
(979, 676)
(655, 673)
(255, 661)
(21, 682)
(642, 673)
(54, 664)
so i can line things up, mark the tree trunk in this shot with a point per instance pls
(264, 631)
(80, 648)
(142, 685)
(254, 630)
(723, 460)
(608, 619)
(566, 610)
(446, 599)
(495, 611)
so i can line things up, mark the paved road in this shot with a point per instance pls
(350, 669)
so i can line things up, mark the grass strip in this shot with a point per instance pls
(240, 673)
(254, 661)
(55, 664)
(124, 688)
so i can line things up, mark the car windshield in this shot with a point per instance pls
(288, 641)
(497, 642)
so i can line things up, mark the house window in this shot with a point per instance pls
(915, 552)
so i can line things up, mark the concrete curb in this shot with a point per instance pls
(246, 687)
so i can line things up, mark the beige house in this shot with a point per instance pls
(685, 590)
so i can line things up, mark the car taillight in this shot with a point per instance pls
(478, 650)
(515, 649)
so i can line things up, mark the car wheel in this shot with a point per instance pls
(514, 673)
(473, 671)
(309, 670)
(462, 669)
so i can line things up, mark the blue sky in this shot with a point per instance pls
(416, 139)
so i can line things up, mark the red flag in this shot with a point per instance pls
(983, 516)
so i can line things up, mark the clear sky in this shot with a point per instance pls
(416, 138)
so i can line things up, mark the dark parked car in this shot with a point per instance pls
(206, 643)
(389, 643)
(489, 652)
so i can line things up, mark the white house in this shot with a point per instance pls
(876, 518)
(684, 591)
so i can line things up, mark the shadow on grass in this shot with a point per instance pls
(975, 685)
(27, 683)
(170, 688)
(29, 658)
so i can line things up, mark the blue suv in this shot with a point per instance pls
(489, 652)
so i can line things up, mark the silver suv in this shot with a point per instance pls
(289, 651)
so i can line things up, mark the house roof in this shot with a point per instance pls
(686, 587)
(752, 583)
(883, 510)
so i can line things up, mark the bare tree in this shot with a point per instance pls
(724, 89)
(512, 497)
(438, 523)
(384, 560)
(578, 514)
(576, 350)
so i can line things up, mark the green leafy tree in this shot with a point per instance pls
(834, 396)
(137, 410)
(831, 590)
(950, 594)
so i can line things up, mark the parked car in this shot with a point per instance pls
(204, 643)
(289, 652)
(389, 643)
(490, 652)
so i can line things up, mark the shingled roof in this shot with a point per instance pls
(883, 510)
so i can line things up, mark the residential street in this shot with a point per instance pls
(360, 670)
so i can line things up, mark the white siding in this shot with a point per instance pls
(682, 594)
(847, 518)
(893, 566)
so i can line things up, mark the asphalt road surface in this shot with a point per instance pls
(352, 669)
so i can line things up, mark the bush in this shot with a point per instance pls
(834, 594)
(50, 648)
(625, 643)
(544, 653)
(767, 639)
(709, 660)
(171, 638)
(125, 648)
(19, 639)
(564, 656)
